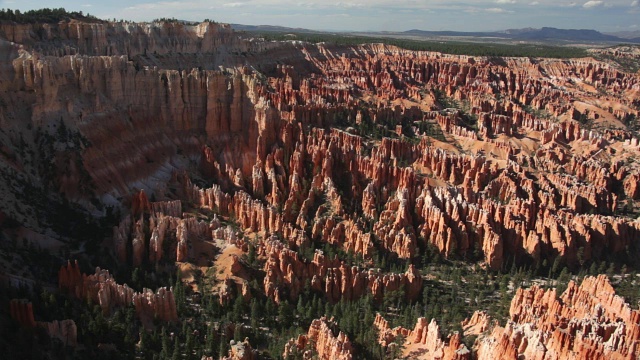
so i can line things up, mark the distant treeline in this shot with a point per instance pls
(44, 16)
(177, 21)
(447, 47)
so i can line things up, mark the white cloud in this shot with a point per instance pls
(592, 3)
(505, 1)
(349, 5)
(233, 4)
(634, 3)
(497, 10)
(534, 3)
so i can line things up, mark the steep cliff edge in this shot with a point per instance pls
(105, 38)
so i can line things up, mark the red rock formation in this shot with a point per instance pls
(138, 243)
(259, 127)
(121, 238)
(423, 339)
(22, 312)
(477, 324)
(140, 204)
(66, 331)
(182, 251)
(392, 226)
(386, 336)
(69, 277)
(632, 186)
(527, 180)
(159, 228)
(321, 343)
(587, 321)
(167, 208)
(102, 38)
(160, 305)
(100, 288)
(333, 277)
(225, 291)
(162, 227)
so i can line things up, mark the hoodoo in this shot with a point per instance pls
(206, 193)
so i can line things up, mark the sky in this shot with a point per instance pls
(372, 15)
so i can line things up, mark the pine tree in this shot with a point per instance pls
(285, 314)
(189, 343)
(164, 354)
(300, 310)
(238, 333)
(176, 349)
(238, 309)
(222, 349)
(212, 339)
(255, 314)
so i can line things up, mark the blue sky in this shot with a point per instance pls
(379, 15)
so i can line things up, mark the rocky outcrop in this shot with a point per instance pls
(241, 351)
(586, 321)
(66, 331)
(632, 186)
(386, 335)
(321, 343)
(332, 277)
(21, 311)
(100, 288)
(477, 324)
(160, 305)
(427, 335)
(69, 277)
(167, 208)
(140, 204)
(423, 339)
(162, 228)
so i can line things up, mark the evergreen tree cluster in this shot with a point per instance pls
(45, 15)
(447, 47)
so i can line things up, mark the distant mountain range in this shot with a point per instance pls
(530, 34)
(525, 34)
(270, 28)
(626, 34)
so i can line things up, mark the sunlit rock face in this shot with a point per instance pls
(131, 104)
(586, 322)
(191, 134)
(326, 345)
